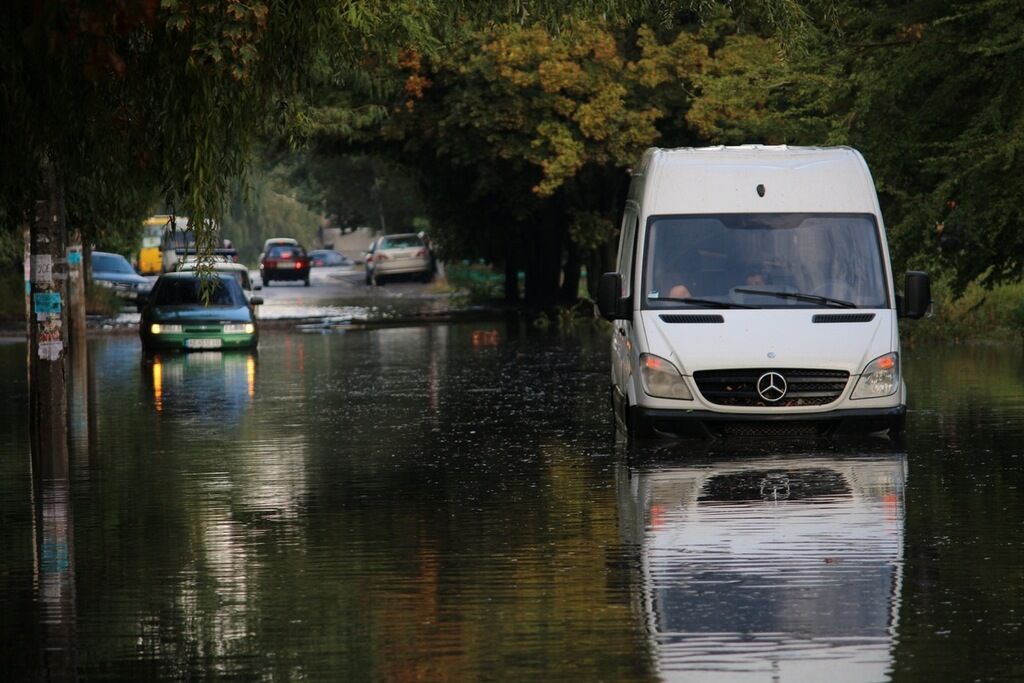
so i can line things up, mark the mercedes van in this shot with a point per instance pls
(753, 294)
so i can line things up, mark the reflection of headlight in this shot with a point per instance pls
(881, 377)
(157, 328)
(104, 283)
(239, 328)
(662, 379)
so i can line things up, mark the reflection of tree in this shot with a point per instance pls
(964, 568)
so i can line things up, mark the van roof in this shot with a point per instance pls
(725, 179)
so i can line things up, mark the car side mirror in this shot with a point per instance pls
(256, 301)
(917, 295)
(610, 303)
(257, 288)
(141, 299)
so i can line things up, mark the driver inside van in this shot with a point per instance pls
(754, 278)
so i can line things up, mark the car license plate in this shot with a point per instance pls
(202, 343)
(289, 264)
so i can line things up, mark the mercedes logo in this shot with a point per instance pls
(771, 386)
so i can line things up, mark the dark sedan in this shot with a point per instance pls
(177, 317)
(284, 262)
(327, 258)
(114, 272)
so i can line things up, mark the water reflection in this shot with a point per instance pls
(55, 580)
(755, 567)
(192, 383)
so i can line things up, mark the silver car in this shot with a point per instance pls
(403, 254)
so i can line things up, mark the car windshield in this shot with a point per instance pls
(285, 252)
(180, 239)
(110, 263)
(188, 292)
(401, 242)
(764, 260)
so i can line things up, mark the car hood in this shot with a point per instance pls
(168, 314)
(761, 338)
(125, 278)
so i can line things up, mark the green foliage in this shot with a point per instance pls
(476, 283)
(981, 313)
(263, 211)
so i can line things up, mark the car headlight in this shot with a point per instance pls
(239, 328)
(104, 283)
(881, 377)
(662, 379)
(158, 328)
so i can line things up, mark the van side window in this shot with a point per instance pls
(630, 224)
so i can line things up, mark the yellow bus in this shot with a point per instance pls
(150, 258)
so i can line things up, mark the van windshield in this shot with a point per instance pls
(764, 261)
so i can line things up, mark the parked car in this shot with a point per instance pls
(114, 272)
(403, 254)
(368, 262)
(284, 262)
(176, 317)
(327, 258)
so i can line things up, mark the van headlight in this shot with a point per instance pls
(662, 379)
(239, 328)
(159, 328)
(881, 377)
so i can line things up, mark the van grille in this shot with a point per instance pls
(843, 318)
(739, 387)
(705, 318)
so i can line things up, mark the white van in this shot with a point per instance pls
(754, 294)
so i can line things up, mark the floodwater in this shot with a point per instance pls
(449, 502)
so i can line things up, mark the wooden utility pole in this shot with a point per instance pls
(78, 348)
(48, 408)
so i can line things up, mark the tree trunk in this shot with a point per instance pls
(544, 261)
(48, 411)
(569, 293)
(511, 278)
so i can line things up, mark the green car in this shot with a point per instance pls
(175, 317)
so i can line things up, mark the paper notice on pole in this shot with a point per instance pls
(46, 303)
(50, 350)
(42, 269)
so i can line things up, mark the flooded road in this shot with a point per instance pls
(448, 502)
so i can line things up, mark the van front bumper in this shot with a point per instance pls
(709, 424)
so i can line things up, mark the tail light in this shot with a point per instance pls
(421, 253)
(382, 256)
(270, 264)
(286, 255)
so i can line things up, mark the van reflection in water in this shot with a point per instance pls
(780, 568)
(217, 384)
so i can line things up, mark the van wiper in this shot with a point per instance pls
(707, 303)
(799, 296)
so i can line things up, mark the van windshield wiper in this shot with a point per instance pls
(707, 303)
(799, 296)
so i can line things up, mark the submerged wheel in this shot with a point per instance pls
(305, 282)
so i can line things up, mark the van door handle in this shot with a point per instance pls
(622, 331)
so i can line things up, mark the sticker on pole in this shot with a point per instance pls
(74, 256)
(42, 269)
(46, 303)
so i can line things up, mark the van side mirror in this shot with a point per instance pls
(256, 301)
(917, 295)
(609, 302)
